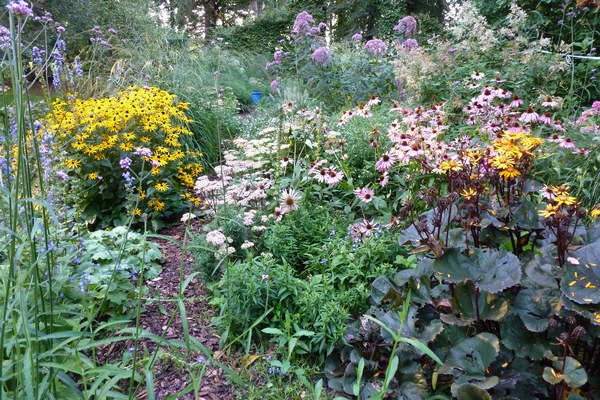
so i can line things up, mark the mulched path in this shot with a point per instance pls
(169, 377)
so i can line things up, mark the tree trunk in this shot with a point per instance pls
(210, 17)
(256, 7)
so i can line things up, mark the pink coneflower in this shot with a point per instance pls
(550, 102)
(321, 174)
(393, 221)
(288, 106)
(498, 80)
(500, 110)
(567, 143)
(529, 116)
(558, 126)
(278, 213)
(546, 118)
(333, 177)
(364, 194)
(515, 127)
(315, 166)
(516, 102)
(581, 151)
(487, 95)
(373, 101)
(289, 200)
(547, 193)
(385, 163)
(384, 179)
(346, 116)
(556, 138)
(366, 227)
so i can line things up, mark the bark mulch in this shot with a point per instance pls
(171, 376)
(172, 369)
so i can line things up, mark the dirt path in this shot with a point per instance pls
(172, 372)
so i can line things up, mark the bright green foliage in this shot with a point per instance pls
(300, 238)
(109, 264)
(261, 34)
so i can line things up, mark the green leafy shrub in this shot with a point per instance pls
(124, 154)
(262, 33)
(301, 236)
(263, 292)
(109, 264)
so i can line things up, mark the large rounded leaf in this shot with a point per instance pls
(573, 373)
(464, 310)
(581, 280)
(469, 360)
(472, 392)
(535, 307)
(411, 235)
(522, 341)
(472, 356)
(491, 270)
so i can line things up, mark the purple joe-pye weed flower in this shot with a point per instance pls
(407, 26)
(410, 44)
(357, 37)
(77, 68)
(303, 25)
(321, 56)
(37, 56)
(376, 47)
(274, 85)
(62, 175)
(125, 163)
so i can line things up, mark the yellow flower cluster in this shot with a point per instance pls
(94, 127)
(513, 151)
(97, 133)
(560, 198)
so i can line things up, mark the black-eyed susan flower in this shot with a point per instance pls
(72, 164)
(161, 186)
(156, 204)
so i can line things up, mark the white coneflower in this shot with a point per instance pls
(285, 161)
(289, 200)
(477, 75)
